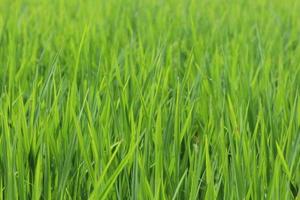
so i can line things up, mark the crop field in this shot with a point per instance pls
(150, 99)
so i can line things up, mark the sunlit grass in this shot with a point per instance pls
(151, 99)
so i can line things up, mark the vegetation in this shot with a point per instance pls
(151, 99)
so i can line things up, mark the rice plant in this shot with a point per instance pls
(151, 99)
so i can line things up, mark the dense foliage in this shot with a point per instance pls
(151, 99)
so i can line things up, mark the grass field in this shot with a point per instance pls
(149, 99)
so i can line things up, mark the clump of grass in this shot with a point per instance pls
(172, 99)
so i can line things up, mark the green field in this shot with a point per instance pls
(149, 99)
